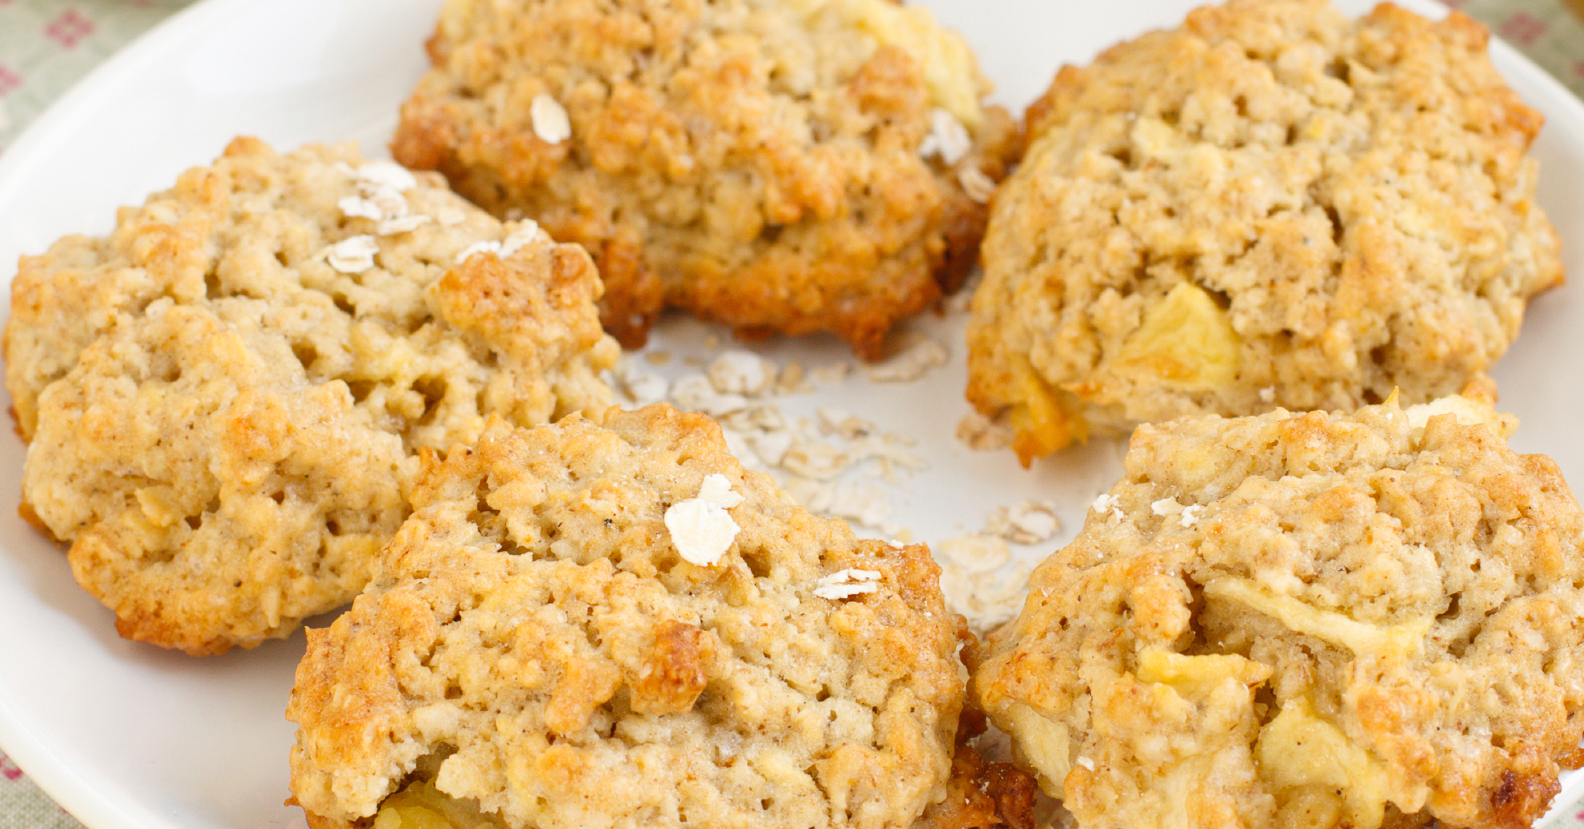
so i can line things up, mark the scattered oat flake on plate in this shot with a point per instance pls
(844, 584)
(829, 373)
(864, 503)
(771, 446)
(814, 496)
(917, 356)
(757, 417)
(354, 254)
(550, 120)
(976, 553)
(695, 393)
(792, 380)
(1029, 522)
(844, 424)
(981, 433)
(639, 386)
(741, 372)
(816, 460)
(702, 532)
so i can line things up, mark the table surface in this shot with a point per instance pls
(47, 45)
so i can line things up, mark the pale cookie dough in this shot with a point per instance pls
(1307, 620)
(1271, 206)
(224, 396)
(778, 165)
(537, 651)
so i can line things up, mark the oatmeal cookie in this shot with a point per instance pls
(1271, 206)
(1307, 620)
(549, 644)
(224, 397)
(778, 165)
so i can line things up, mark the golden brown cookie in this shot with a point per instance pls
(1270, 206)
(1307, 620)
(778, 165)
(224, 397)
(594, 627)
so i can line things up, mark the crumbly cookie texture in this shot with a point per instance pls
(779, 165)
(224, 397)
(537, 647)
(1307, 620)
(1271, 206)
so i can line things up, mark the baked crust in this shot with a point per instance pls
(1307, 620)
(1270, 206)
(536, 645)
(755, 162)
(223, 425)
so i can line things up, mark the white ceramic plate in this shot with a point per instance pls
(125, 735)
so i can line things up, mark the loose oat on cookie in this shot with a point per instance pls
(549, 644)
(224, 396)
(1307, 620)
(778, 165)
(1270, 206)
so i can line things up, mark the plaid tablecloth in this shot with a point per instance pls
(47, 45)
